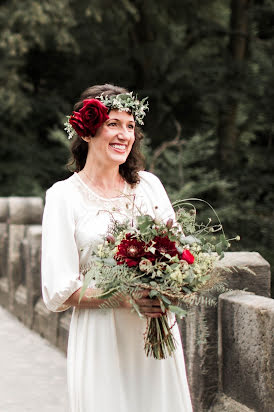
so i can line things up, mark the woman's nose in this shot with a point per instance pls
(124, 134)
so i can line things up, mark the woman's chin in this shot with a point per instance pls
(117, 157)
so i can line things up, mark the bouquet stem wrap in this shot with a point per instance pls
(159, 340)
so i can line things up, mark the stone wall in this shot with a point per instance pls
(246, 326)
(228, 350)
(247, 270)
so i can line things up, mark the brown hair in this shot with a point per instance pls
(79, 148)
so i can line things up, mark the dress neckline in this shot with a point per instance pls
(96, 194)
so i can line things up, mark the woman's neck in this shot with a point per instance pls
(106, 181)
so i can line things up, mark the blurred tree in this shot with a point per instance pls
(237, 52)
(35, 41)
(207, 68)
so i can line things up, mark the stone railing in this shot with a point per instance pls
(228, 350)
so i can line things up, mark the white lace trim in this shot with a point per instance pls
(92, 199)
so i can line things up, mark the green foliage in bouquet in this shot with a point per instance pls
(173, 260)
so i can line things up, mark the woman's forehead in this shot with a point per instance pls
(121, 115)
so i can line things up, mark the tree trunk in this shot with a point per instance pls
(141, 39)
(227, 128)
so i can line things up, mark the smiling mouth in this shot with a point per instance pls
(118, 147)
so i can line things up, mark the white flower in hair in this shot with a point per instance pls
(126, 102)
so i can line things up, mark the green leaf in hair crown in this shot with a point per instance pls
(126, 102)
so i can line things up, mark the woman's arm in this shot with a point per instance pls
(89, 299)
(149, 307)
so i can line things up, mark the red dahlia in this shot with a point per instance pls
(130, 251)
(162, 245)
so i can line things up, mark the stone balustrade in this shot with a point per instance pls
(246, 328)
(228, 350)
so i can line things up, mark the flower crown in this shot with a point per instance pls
(95, 112)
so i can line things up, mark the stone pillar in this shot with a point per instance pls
(16, 234)
(31, 256)
(63, 331)
(21, 212)
(4, 292)
(246, 349)
(45, 322)
(199, 337)
(199, 329)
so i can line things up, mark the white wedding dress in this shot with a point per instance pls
(107, 368)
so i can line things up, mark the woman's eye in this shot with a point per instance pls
(131, 126)
(112, 124)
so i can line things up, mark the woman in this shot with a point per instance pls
(106, 362)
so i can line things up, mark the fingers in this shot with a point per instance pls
(148, 302)
(141, 294)
(149, 307)
(153, 315)
(152, 311)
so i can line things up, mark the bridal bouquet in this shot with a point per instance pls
(173, 260)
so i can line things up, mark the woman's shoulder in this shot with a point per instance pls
(149, 178)
(151, 185)
(152, 189)
(63, 188)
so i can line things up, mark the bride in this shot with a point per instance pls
(107, 368)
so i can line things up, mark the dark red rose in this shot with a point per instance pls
(130, 251)
(162, 245)
(78, 125)
(187, 256)
(93, 114)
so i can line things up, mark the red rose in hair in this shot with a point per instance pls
(78, 125)
(187, 256)
(130, 251)
(162, 245)
(94, 114)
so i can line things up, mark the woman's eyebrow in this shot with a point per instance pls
(118, 120)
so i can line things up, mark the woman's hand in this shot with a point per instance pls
(148, 306)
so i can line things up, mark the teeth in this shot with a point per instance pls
(118, 146)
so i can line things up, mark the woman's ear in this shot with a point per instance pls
(86, 139)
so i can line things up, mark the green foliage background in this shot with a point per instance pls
(181, 54)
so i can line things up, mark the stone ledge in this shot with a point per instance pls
(246, 356)
(21, 210)
(202, 360)
(4, 209)
(225, 404)
(240, 278)
(241, 259)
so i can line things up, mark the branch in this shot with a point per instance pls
(164, 146)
